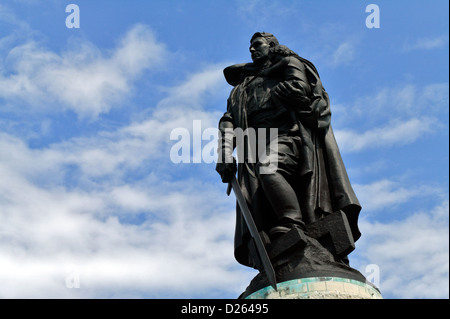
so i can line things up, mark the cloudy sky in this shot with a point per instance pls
(94, 202)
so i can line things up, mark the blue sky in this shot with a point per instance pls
(93, 206)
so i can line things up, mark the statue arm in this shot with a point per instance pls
(235, 74)
(295, 89)
(226, 163)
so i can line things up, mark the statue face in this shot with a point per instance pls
(259, 50)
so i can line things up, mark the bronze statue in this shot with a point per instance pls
(308, 198)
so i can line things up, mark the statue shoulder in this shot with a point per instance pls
(236, 73)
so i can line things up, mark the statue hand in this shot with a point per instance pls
(227, 170)
(283, 89)
(291, 92)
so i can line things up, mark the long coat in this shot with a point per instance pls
(322, 183)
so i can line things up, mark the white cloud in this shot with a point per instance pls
(83, 79)
(343, 54)
(184, 243)
(391, 116)
(128, 148)
(428, 43)
(412, 253)
(191, 93)
(395, 103)
(74, 209)
(395, 133)
(143, 144)
(385, 193)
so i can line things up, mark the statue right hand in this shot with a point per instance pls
(227, 170)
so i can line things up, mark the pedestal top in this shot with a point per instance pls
(319, 288)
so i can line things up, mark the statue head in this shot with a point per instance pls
(260, 44)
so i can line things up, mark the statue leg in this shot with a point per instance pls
(278, 189)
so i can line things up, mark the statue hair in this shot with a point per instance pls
(283, 50)
(268, 36)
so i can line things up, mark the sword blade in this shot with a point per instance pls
(265, 260)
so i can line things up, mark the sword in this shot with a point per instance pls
(268, 268)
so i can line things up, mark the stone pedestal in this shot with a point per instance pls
(319, 288)
(311, 264)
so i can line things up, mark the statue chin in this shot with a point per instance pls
(258, 61)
